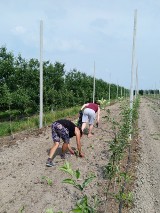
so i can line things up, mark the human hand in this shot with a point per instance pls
(72, 152)
(81, 155)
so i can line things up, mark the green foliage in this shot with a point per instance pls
(47, 179)
(50, 210)
(121, 133)
(124, 176)
(126, 198)
(25, 123)
(103, 103)
(19, 89)
(110, 170)
(75, 175)
(120, 141)
(82, 206)
(21, 210)
(19, 85)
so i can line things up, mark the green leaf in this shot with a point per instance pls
(78, 210)
(69, 181)
(43, 177)
(50, 182)
(77, 173)
(67, 168)
(78, 186)
(49, 211)
(87, 181)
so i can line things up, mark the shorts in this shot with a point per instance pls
(59, 131)
(89, 115)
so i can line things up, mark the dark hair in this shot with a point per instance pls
(97, 102)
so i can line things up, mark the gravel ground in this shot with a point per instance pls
(22, 166)
(147, 188)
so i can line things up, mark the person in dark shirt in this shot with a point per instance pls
(89, 115)
(65, 130)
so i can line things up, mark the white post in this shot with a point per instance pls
(132, 69)
(117, 90)
(133, 61)
(94, 83)
(121, 92)
(41, 76)
(137, 91)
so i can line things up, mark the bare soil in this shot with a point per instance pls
(147, 185)
(22, 166)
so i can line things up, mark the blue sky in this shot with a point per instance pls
(79, 33)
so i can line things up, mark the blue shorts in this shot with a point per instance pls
(59, 131)
(88, 116)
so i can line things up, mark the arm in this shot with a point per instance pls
(84, 105)
(98, 114)
(77, 133)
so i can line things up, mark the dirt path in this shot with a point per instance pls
(147, 191)
(22, 167)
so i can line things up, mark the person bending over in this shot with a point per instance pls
(64, 129)
(90, 110)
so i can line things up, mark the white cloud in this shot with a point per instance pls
(79, 32)
(64, 45)
(19, 30)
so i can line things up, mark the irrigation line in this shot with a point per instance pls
(109, 183)
(126, 170)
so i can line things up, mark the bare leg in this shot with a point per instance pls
(83, 126)
(65, 147)
(53, 149)
(90, 130)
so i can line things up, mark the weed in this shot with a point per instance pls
(47, 179)
(21, 210)
(51, 211)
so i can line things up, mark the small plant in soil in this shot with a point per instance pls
(51, 211)
(21, 210)
(75, 175)
(82, 205)
(47, 180)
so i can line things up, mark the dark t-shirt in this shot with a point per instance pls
(68, 125)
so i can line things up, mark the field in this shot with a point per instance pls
(147, 188)
(28, 186)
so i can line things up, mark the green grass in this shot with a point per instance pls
(6, 128)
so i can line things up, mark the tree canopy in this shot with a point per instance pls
(19, 85)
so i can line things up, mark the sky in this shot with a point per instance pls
(91, 36)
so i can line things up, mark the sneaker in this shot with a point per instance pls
(50, 163)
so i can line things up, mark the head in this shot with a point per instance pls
(97, 102)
